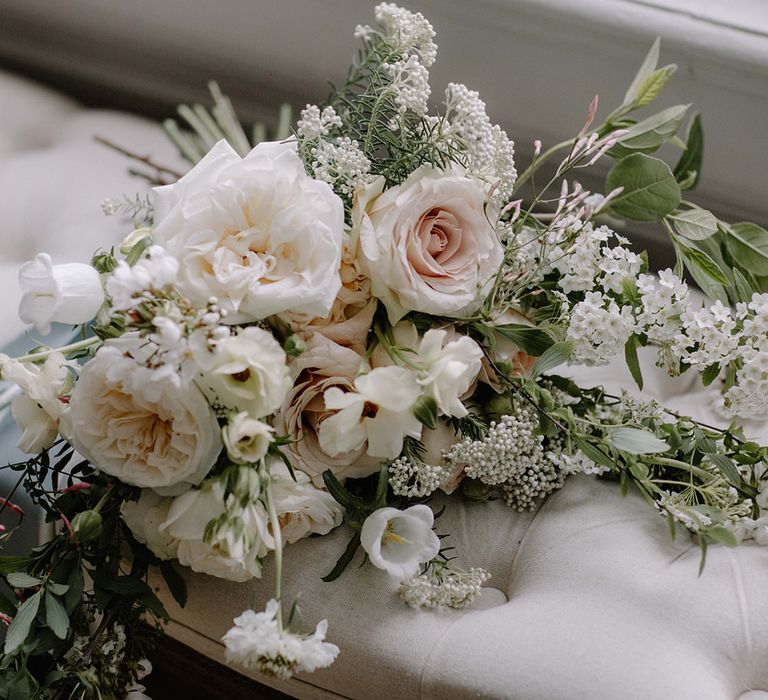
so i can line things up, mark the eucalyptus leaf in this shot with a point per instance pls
(650, 191)
(695, 224)
(553, 356)
(18, 579)
(18, 631)
(646, 70)
(688, 168)
(55, 616)
(748, 244)
(636, 441)
(652, 132)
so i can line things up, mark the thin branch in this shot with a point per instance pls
(146, 160)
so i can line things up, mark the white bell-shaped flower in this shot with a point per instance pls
(398, 541)
(69, 293)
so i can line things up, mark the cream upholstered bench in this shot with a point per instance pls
(589, 597)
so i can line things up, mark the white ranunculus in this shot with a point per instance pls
(427, 243)
(257, 233)
(302, 509)
(39, 409)
(322, 365)
(154, 272)
(379, 412)
(144, 518)
(398, 541)
(142, 425)
(69, 293)
(246, 439)
(246, 372)
(235, 556)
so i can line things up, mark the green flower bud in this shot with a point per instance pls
(294, 345)
(425, 409)
(86, 526)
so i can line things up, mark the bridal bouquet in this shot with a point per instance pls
(326, 329)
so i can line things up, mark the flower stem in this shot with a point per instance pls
(72, 347)
(531, 169)
(275, 523)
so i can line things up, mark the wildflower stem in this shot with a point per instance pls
(66, 349)
(275, 523)
(531, 169)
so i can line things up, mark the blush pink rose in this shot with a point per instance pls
(427, 244)
(324, 364)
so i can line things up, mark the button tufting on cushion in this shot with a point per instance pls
(754, 695)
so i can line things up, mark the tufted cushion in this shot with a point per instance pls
(589, 597)
(53, 178)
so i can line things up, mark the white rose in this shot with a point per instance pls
(257, 233)
(144, 518)
(246, 439)
(427, 243)
(247, 372)
(324, 364)
(398, 541)
(235, 556)
(69, 293)
(302, 509)
(39, 409)
(379, 412)
(142, 426)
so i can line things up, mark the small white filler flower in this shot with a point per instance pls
(257, 641)
(398, 541)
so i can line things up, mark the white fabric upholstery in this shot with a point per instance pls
(590, 599)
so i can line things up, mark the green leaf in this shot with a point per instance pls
(748, 244)
(22, 623)
(592, 452)
(710, 374)
(652, 85)
(342, 496)
(652, 132)
(425, 410)
(529, 339)
(630, 355)
(175, 582)
(647, 68)
(55, 616)
(553, 356)
(636, 441)
(344, 560)
(19, 579)
(727, 467)
(10, 564)
(57, 588)
(721, 534)
(688, 168)
(744, 290)
(650, 191)
(695, 224)
(698, 262)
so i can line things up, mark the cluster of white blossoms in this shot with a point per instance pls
(576, 463)
(599, 328)
(410, 85)
(490, 153)
(259, 642)
(511, 446)
(341, 164)
(151, 276)
(414, 479)
(708, 336)
(664, 298)
(446, 587)
(410, 32)
(314, 123)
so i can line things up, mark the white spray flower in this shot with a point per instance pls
(246, 439)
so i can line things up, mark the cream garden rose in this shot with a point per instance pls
(257, 233)
(427, 244)
(144, 518)
(324, 364)
(139, 425)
